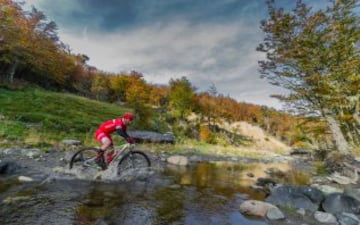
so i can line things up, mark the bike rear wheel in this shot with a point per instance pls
(83, 157)
(134, 160)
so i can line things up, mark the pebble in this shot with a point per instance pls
(25, 179)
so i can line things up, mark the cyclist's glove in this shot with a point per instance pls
(130, 140)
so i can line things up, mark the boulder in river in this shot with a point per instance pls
(338, 202)
(308, 198)
(152, 137)
(260, 208)
(8, 167)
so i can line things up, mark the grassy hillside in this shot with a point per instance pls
(41, 118)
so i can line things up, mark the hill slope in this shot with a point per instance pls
(261, 140)
(42, 118)
(34, 116)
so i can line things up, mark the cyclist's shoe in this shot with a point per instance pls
(109, 158)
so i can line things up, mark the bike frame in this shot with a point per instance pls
(120, 151)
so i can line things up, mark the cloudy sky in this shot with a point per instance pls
(209, 42)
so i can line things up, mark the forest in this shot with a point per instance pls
(315, 55)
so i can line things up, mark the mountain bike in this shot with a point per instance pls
(124, 155)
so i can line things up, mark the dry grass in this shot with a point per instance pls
(190, 147)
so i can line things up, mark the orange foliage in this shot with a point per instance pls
(205, 134)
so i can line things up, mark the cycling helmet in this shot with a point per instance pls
(129, 116)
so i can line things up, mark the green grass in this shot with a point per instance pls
(193, 147)
(320, 168)
(37, 117)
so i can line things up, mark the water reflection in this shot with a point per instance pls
(238, 219)
(202, 194)
(114, 204)
(171, 206)
(143, 204)
(227, 178)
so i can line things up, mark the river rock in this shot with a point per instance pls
(195, 158)
(325, 217)
(250, 175)
(295, 197)
(275, 214)
(347, 219)
(10, 151)
(337, 178)
(265, 182)
(8, 167)
(153, 137)
(301, 212)
(353, 192)
(25, 179)
(327, 189)
(71, 142)
(32, 153)
(337, 203)
(314, 194)
(256, 208)
(178, 160)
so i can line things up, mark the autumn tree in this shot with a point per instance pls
(78, 77)
(313, 55)
(159, 95)
(119, 84)
(212, 107)
(50, 63)
(137, 96)
(100, 87)
(30, 48)
(181, 97)
(206, 107)
(15, 44)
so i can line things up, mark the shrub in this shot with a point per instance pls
(206, 135)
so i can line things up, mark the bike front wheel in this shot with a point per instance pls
(134, 160)
(84, 157)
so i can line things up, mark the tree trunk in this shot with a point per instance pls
(12, 71)
(209, 120)
(340, 141)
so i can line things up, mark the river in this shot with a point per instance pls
(205, 193)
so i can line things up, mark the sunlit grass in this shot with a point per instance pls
(36, 117)
(191, 147)
(356, 151)
(298, 176)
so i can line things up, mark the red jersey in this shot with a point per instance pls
(112, 125)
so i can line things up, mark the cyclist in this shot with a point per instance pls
(103, 135)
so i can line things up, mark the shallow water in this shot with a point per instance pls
(228, 178)
(205, 193)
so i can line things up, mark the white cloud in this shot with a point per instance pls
(151, 48)
(205, 54)
(208, 63)
(221, 53)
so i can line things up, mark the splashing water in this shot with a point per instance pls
(110, 174)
